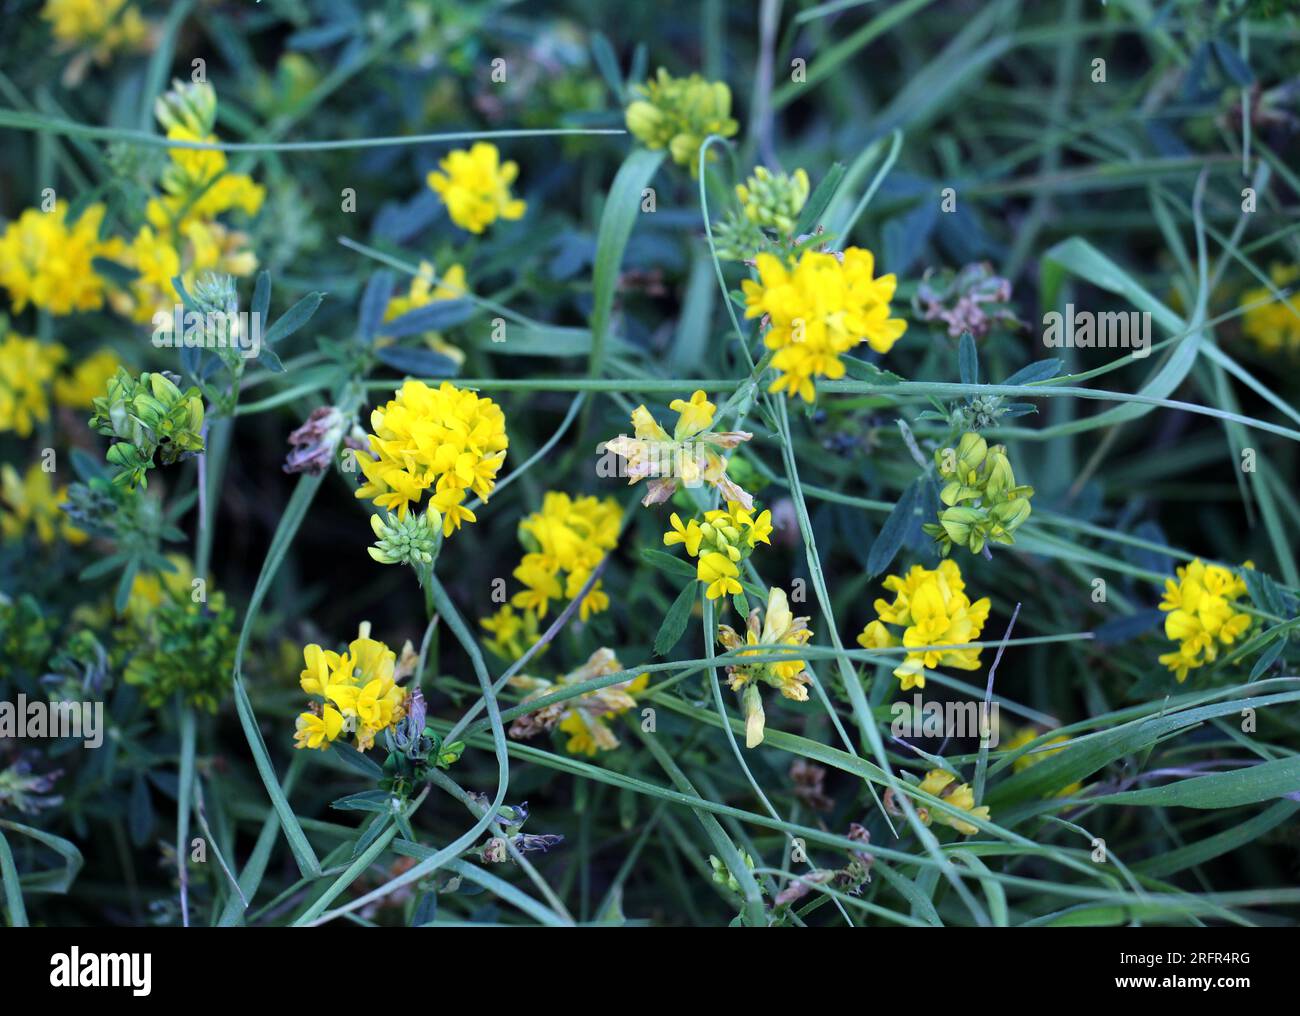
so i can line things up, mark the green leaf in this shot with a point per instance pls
(1039, 370)
(968, 360)
(349, 755)
(673, 566)
(1261, 782)
(293, 319)
(622, 207)
(820, 199)
(678, 616)
(892, 534)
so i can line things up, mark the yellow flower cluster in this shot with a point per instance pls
(442, 438)
(1274, 325)
(475, 187)
(565, 540)
(101, 25)
(27, 367)
(422, 292)
(49, 262)
(1025, 736)
(720, 543)
(513, 633)
(777, 627)
(933, 609)
(358, 691)
(817, 309)
(690, 456)
(679, 113)
(1203, 614)
(31, 502)
(182, 235)
(944, 785)
(583, 718)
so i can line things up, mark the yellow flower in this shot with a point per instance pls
(32, 502)
(475, 186)
(690, 456)
(941, 784)
(88, 381)
(102, 26)
(583, 718)
(719, 575)
(1202, 608)
(693, 416)
(725, 538)
(27, 367)
(1025, 736)
(321, 731)
(566, 539)
(513, 634)
(679, 113)
(361, 683)
(933, 609)
(451, 286)
(49, 263)
(442, 438)
(151, 589)
(817, 309)
(777, 627)
(1274, 324)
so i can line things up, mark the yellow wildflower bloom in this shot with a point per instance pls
(312, 731)
(941, 784)
(679, 113)
(48, 262)
(442, 438)
(777, 627)
(566, 540)
(933, 609)
(88, 380)
(725, 538)
(1274, 325)
(361, 684)
(102, 26)
(475, 186)
(690, 456)
(513, 634)
(583, 718)
(27, 367)
(1202, 608)
(817, 309)
(32, 502)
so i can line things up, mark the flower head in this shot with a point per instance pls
(443, 439)
(933, 609)
(690, 456)
(88, 379)
(584, 718)
(475, 186)
(679, 113)
(985, 504)
(358, 691)
(724, 539)
(945, 785)
(422, 292)
(27, 367)
(776, 627)
(32, 502)
(1273, 324)
(818, 308)
(1202, 614)
(49, 262)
